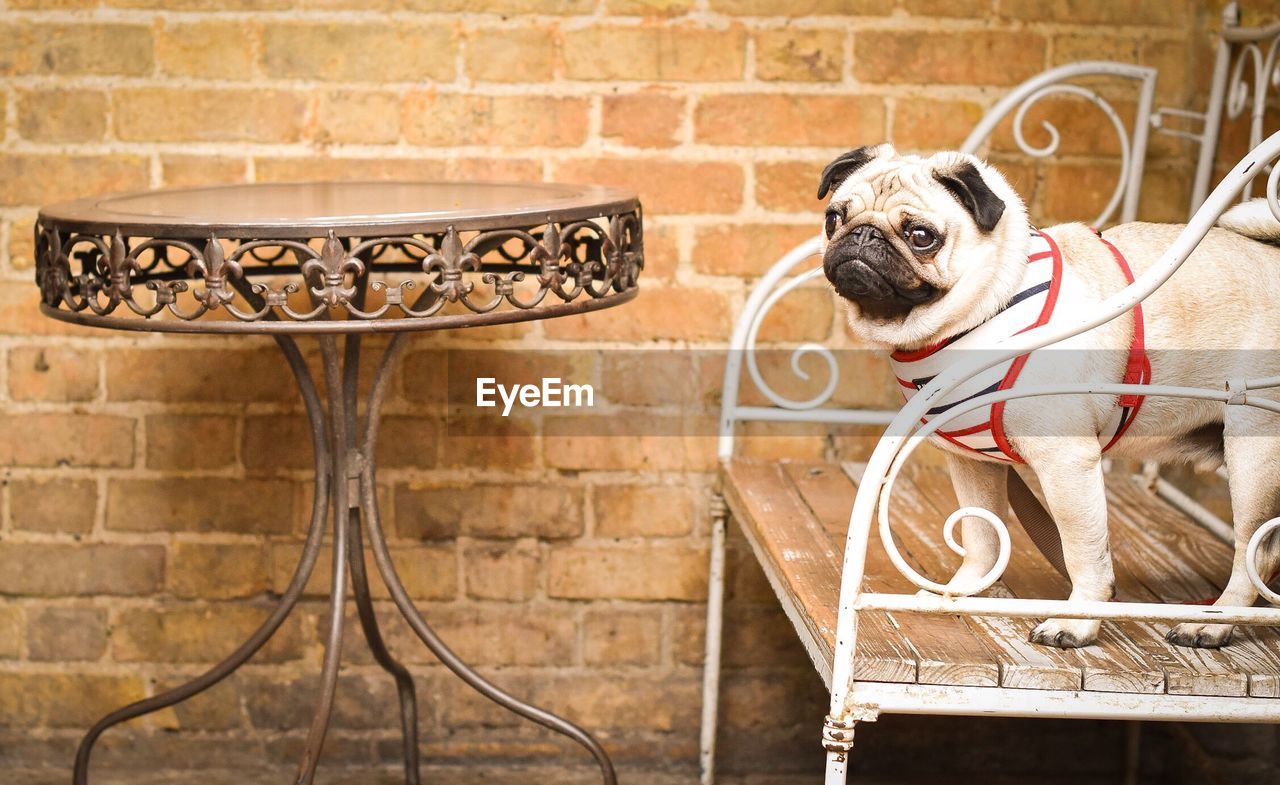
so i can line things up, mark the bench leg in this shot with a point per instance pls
(837, 739)
(711, 662)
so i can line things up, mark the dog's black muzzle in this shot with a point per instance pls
(865, 268)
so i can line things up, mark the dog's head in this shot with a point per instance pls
(922, 248)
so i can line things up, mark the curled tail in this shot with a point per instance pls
(1252, 219)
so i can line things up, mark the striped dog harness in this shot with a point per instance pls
(1050, 291)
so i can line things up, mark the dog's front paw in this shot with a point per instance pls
(1201, 636)
(1066, 633)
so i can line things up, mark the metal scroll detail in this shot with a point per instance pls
(273, 285)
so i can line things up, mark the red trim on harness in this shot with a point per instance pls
(1011, 377)
(1138, 368)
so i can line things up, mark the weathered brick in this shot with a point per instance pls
(52, 373)
(650, 7)
(273, 442)
(493, 634)
(11, 625)
(613, 637)
(58, 634)
(747, 250)
(1083, 12)
(650, 378)
(493, 511)
(98, 48)
(960, 8)
(665, 186)
(217, 571)
(309, 169)
(798, 55)
(627, 573)
(502, 572)
(63, 700)
(203, 5)
(22, 244)
(88, 570)
(206, 376)
(35, 179)
(789, 186)
(49, 440)
(796, 8)
(599, 700)
(658, 312)
(928, 125)
(450, 119)
(207, 49)
(62, 115)
(360, 702)
(203, 633)
(527, 54)
(642, 119)
(189, 441)
(209, 504)
(648, 443)
(558, 7)
(427, 572)
(359, 117)
(653, 53)
(790, 120)
(53, 505)
(644, 510)
(201, 170)
(148, 114)
(918, 57)
(396, 51)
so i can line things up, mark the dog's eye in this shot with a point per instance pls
(921, 239)
(833, 222)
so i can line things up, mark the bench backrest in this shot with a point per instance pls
(1245, 86)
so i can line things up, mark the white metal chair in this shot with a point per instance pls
(865, 683)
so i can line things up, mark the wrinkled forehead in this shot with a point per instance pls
(881, 186)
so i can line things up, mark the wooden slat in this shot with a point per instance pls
(1181, 556)
(1116, 663)
(948, 650)
(1023, 664)
(804, 569)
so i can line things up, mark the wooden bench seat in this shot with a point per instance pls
(796, 515)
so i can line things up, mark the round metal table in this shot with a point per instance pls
(340, 259)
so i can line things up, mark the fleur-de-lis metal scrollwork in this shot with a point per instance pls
(449, 263)
(216, 269)
(548, 254)
(120, 265)
(53, 268)
(332, 269)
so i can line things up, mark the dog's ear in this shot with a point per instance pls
(965, 182)
(839, 170)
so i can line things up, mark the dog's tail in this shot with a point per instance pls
(1252, 219)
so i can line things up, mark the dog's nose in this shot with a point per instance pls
(864, 234)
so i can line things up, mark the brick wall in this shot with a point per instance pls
(155, 487)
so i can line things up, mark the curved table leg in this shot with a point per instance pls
(301, 574)
(369, 623)
(382, 557)
(338, 447)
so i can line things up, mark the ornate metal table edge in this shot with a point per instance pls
(282, 285)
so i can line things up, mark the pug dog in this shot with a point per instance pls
(930, 252)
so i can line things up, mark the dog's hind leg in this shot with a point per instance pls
(1070, 472)
(978, 484)
(1252, 450)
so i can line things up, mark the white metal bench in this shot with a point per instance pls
(821, 531)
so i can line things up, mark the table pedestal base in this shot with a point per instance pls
(345, 473)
